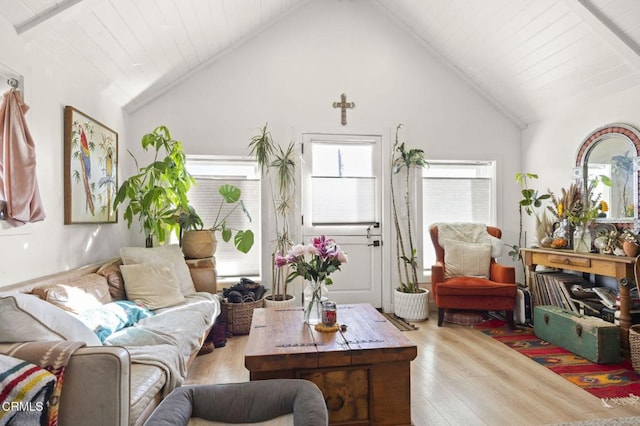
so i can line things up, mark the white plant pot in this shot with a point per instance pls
(288, 303)
(412, 306)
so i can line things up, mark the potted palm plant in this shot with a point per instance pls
(159, 190)
(411, 301)
(278, 166)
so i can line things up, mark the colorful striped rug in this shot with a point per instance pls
(613, 383)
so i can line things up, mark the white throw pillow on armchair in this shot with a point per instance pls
(467, 259)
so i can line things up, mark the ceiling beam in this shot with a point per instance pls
(607, 30)
(48, 14)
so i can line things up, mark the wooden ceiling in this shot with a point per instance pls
(530, 58)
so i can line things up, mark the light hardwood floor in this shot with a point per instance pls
(460, 377)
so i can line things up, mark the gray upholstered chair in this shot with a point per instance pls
(249, 402)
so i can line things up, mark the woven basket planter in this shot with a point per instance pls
(199, 244)
(634, 346)
(239, 315)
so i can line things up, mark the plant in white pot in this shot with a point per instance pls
(410, 302)
(278, 166)
(198, 242)
(159, 190)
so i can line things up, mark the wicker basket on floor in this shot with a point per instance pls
(239, 315)
(634, 346)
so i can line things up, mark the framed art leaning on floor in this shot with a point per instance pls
(90, 169)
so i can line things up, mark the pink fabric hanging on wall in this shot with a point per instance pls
(18, 182)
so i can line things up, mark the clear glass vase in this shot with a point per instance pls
(315, 292)
(582, 239)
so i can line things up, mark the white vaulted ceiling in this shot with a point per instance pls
(530, 58)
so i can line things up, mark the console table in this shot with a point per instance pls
(599, 264)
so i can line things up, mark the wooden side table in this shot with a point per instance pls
(363, 372)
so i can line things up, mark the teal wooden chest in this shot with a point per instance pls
(590, 337)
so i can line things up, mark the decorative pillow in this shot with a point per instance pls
(29, 386)
(25, 317)
(109, 318)
(497, 246)
(86, 292)
(169, 253)
(152, 284)
(467, 259)
(111, 271)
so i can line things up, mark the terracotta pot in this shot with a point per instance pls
(630, 249)
(199, 244)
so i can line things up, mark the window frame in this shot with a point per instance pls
(425, 239)
(256, 217)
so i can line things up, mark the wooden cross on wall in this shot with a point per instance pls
(343, 105)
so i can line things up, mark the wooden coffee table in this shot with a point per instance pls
(363, 372)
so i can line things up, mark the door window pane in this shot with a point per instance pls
(342, 183)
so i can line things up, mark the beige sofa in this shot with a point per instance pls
(121, 380)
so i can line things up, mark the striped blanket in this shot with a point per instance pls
(38, 371)
(25, 390)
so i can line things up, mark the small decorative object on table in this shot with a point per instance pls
(323, 328)
(629, 243)
(313, 262)
(329, 313)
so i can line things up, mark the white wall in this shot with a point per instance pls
(290, 74)
(50, 246)
(550, 146)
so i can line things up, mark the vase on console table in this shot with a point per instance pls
(315, 292)
(582, 239)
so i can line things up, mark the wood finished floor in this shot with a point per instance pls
(460, 377)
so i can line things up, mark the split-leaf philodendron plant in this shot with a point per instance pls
(242, 240)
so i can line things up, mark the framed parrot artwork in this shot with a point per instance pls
(90, 169)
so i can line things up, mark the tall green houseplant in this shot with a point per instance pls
(158, 192)
(530, 201)
(404, 162)
(279, 167)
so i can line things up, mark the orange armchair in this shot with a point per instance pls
(495, 293)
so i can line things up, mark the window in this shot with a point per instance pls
(211, 172)
(456, 191)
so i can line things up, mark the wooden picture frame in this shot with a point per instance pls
(90, 169)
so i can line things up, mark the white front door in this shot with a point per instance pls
(342, 199)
